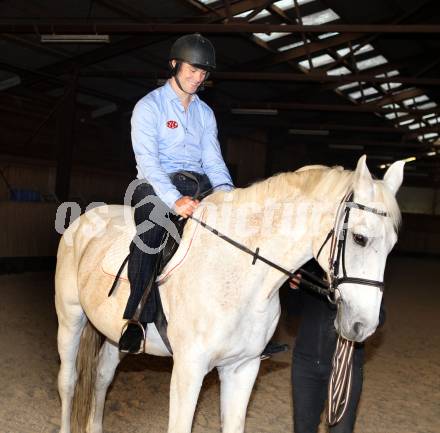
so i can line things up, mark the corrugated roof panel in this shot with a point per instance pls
(342, 70)
(271, 36)
(394, 115)
(317, 61)
(371, 62)
(261, 14)
(406, 122)
(435, 121)
(320, 17)
(364, 49)
(427, 106)
(416, 100)
(349, 85)
(327, 35)
(366, 92)
(288, 4)
(390, 86)
(293, 45)
(429, 135)
(389, 74)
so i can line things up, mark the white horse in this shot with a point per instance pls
(221, 308)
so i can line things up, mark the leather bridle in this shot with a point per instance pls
(340, 382)
(338, 238)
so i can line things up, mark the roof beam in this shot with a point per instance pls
(61, 82)
(228, 10)
(351, 132)
(361, 108)
(100, 26)
(332, 140)
(273, 76)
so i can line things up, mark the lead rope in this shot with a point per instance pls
(339, 386)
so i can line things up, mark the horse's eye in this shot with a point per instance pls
(360, 239)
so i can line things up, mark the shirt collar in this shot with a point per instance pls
(172, 95)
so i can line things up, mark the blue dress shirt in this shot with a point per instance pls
(167, 138)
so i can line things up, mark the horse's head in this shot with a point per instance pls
(365, 228)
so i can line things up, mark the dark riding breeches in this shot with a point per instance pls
(153, 219)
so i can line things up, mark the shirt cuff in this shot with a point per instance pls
(171, 197)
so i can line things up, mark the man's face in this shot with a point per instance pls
(190, 77)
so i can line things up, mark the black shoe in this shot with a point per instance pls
(272, 348)
(132, 339)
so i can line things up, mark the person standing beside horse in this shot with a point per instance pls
(315, 345)
(174, 137)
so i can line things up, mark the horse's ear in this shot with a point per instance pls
(363, 182)
(394, 176)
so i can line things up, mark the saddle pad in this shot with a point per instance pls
(117, 253)
(120, 248)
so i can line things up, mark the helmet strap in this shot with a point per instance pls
(175, 71)
(181, 88)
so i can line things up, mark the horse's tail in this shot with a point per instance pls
(86, 366)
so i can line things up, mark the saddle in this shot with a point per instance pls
(151, 293)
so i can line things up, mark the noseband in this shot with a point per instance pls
(338, 238)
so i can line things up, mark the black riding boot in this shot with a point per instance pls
(133, 338)
(141, 270)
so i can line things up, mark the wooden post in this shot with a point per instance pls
(65, 140)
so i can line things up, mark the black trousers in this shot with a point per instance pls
(154, 221)
(310, 380)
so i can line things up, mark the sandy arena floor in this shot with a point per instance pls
(401, 386)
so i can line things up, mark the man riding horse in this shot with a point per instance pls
(173, 131)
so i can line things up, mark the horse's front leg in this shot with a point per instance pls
(237, 381)
(188, 372)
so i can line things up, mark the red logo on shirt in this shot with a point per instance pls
(172, 124)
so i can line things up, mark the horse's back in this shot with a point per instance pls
(80, 279)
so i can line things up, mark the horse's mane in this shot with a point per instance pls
(316, 181)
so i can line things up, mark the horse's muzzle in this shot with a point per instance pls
(357, 332)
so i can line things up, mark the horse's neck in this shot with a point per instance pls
(282, 230)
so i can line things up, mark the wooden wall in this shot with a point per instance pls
(247, 155)
(87, 184)
(28, 228)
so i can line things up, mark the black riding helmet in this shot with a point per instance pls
(195, 50)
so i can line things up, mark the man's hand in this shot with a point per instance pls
(185, 206)
(295, 281)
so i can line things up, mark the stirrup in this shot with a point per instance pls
(144, 336)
